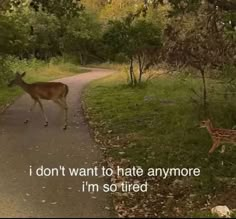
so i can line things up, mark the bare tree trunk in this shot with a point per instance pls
(204, 89)
(131, 71)
(140, 69)
(81, 59)
(133, 78)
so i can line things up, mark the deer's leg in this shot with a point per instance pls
(65, 113)
(30, 111)
(44, 115)
(62, 103)
(216, 143)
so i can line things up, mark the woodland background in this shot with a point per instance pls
(176, 63)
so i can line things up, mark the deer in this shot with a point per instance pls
(218, 135)
(55, 91)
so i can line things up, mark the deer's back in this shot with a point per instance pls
(226, 135)
(48, 90)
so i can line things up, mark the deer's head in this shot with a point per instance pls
(17, 80)
(205, 123)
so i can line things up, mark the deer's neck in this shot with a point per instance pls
(24, 86)
(210, 128)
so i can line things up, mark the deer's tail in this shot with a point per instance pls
(66, 90)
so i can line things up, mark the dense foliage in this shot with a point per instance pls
(137, 41)
(200, 34)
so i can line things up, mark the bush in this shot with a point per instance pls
(9, 65)
(5, 71)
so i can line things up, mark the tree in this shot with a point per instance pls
(190, 5)
(137, 40)
(118, 9)
(82, 36)
(59, 8)
(202, 40)
(45, 36)
(146, 40)
(13, 34)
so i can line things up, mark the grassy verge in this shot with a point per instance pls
(157, 125)
(37, 71)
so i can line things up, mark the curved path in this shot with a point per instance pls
(22, 146)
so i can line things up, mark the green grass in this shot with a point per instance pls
(37, 71)
(203, 215)
(158, 125)
(161, 122)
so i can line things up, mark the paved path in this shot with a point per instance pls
(22, 145)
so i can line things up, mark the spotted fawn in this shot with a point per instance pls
(218, 135)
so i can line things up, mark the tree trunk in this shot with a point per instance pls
(135, 80)
(140, 69)
(81, 59)
(131, 71)
(204, 89)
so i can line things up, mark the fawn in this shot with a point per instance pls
(54, 91)
(218, 135)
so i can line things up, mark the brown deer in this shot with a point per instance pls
(218, 135)
(54, 91)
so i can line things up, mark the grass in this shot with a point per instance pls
(158, 126)
(37, 72)
(208, 215)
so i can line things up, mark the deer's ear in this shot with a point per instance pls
(23, 74)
